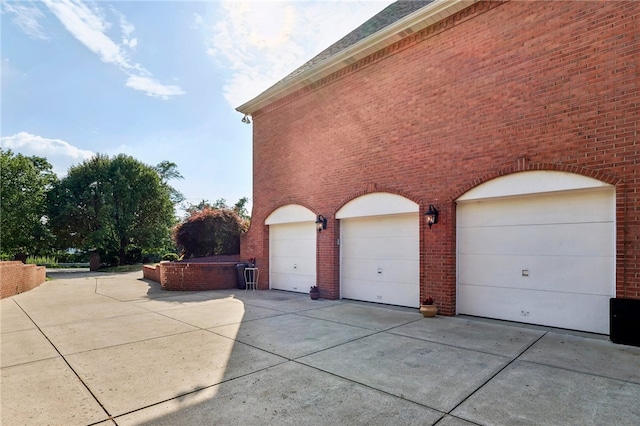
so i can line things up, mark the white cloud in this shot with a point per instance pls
(261, 42)
(152, 87)
(127, 29)
(26, 18)
(131, 43)
(89, 26)
(198, 20)
(59, 153)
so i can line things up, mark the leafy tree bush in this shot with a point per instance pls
(111, 205)
(24, 182)
(150, 257)
(210, 232)
(78, 256)
(239, 207)
(172, 257)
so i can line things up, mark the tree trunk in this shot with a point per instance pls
(122, 253)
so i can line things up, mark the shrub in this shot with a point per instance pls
(210, 232)
(78, 256)
(172, 257)
(150, 257)
(133, 255)
(42, 261)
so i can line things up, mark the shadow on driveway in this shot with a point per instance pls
(146, 356)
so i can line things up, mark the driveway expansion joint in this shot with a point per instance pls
(287, 353)
(88, 389)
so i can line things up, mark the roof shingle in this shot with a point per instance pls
(392, 13)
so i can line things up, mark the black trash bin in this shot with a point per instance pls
(240, 267)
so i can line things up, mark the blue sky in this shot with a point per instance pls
(157, 80)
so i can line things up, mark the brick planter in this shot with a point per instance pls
(178, 276)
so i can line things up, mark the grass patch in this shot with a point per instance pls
(123, 268)
(48, 261)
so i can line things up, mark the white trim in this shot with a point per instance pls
(414, 22)
(532, 182)
(377, 204)
(289, 214)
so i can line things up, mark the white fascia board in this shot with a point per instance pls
(414, 22)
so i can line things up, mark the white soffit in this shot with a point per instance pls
(377, 204)
(412, 23)
(289, 214)
(533, 182)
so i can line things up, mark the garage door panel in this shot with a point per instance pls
(378, 248)
(562, 207)
(292, 256)
(381, 227)
(572, 274)
(566, 242)
(292, 282)
(371, 291)
(389, 244)
(538, 307)
(300, 246)
(551, 240)
(294, 231)
(294, 265)
(391, 271)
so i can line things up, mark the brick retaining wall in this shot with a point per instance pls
(16, 277)
(178, 276)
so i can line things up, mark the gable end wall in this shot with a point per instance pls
(498, 88)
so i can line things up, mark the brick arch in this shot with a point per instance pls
(524, 166)
(372, 189)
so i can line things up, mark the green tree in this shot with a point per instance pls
(240, 207)
(24, 182)
(112, 205)
(210, 231)
(167, 171)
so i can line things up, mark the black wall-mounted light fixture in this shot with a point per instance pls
(431, 215)
(246, 120)
(321, 221)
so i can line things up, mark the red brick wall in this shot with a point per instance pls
(16, 277)
(151, 272)
(496, 89)
(174, 276)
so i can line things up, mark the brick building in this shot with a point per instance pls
(517, 121)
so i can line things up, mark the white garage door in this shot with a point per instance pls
(543, 258)
(292, 248)
(380, 259)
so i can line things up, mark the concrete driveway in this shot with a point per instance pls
(91, 348)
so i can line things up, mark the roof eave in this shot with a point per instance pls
(414, 22)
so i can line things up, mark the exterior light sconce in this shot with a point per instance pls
(321, 222)
(246, 120)
(431, 215)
